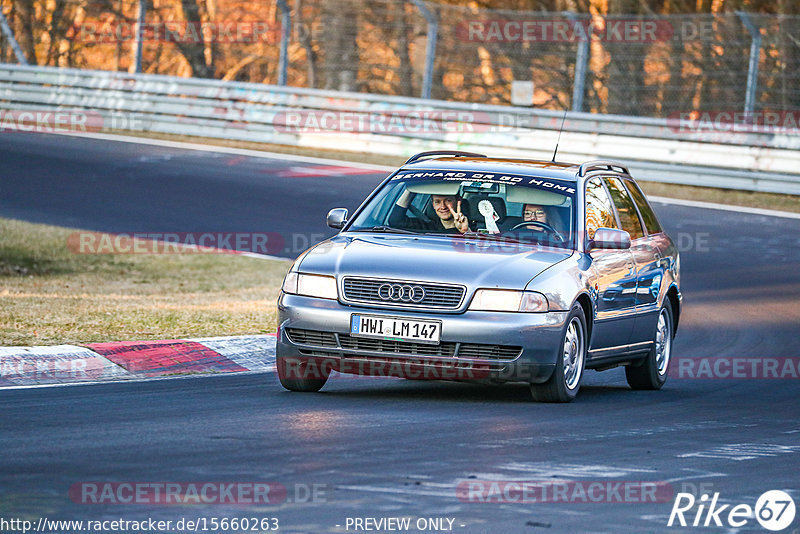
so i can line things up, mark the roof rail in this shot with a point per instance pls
(456, 153)
(601, 165)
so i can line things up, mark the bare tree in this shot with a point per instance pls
(789, 54)
(341, 55)
(625, 72)
(24, 28)
(400, 29)
(199, 54)
(303, 32)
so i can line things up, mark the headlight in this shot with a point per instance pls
(290, 283)
(508, 301)
(310, 285)
(533, 302)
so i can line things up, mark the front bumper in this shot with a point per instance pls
(474, 346)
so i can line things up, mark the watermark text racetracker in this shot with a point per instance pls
(191, 493)
(511, 242)
(408, 368)
(68, 121)
(735, 121)
(414, 121)
(736, 368)
(564, 491)
(50, 121)
(267, 243)
(614, 29)
(611, 30)
(120, 31)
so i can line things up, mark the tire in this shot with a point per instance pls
(302, 374)
(651, 373)
(564, 383)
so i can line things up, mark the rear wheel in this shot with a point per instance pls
(565, 381)
(651, 373)
(302, 374)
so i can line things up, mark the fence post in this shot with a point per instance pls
(581, 60)
(286, 26)
(21, 59)
(752, 68)
(430, 49)
(137, 59)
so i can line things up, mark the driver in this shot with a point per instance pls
(534, 213)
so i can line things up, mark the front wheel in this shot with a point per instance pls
(302, 374)
(565, 381)
(651, 373)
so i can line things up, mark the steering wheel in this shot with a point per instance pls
(546, 227)
(419, 214)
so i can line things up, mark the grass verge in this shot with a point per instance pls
(50, 295)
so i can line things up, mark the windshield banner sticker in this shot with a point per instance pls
(541, 183)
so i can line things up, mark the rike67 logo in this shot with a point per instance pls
(774, 510)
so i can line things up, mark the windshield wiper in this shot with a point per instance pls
(477, 235)
(386, 229)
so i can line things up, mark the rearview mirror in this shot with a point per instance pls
(337, 218)
(610, 238)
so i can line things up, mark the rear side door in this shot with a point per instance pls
(613, 277)
(646, 256)
(653, 284)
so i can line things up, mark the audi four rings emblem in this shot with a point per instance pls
(401, 293)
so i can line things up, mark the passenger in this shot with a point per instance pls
(450, 218)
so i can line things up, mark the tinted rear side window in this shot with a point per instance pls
(628, 217)
(599, 212)
(649, 218)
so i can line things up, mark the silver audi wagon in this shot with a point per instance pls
(464, 267)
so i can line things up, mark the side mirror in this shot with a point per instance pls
(610, 238)
(337, 218)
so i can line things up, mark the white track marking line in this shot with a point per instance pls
(228, 150)
(725, 207)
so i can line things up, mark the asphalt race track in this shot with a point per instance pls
(125, 188)
(383, 448)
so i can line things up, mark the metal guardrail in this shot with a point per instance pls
(654, 149)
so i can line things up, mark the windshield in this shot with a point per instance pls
(473, 204)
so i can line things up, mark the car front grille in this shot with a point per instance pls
(312, 337)
(488, 352)
(437, 296)
(445, 349)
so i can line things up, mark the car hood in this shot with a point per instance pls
(470, 262)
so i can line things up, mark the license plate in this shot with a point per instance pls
(395, 328)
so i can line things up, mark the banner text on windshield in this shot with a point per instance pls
(491, 178)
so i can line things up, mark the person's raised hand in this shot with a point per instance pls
(459, 219)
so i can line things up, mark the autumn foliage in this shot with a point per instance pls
(687, 55)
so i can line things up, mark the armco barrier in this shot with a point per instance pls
(655, 149)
